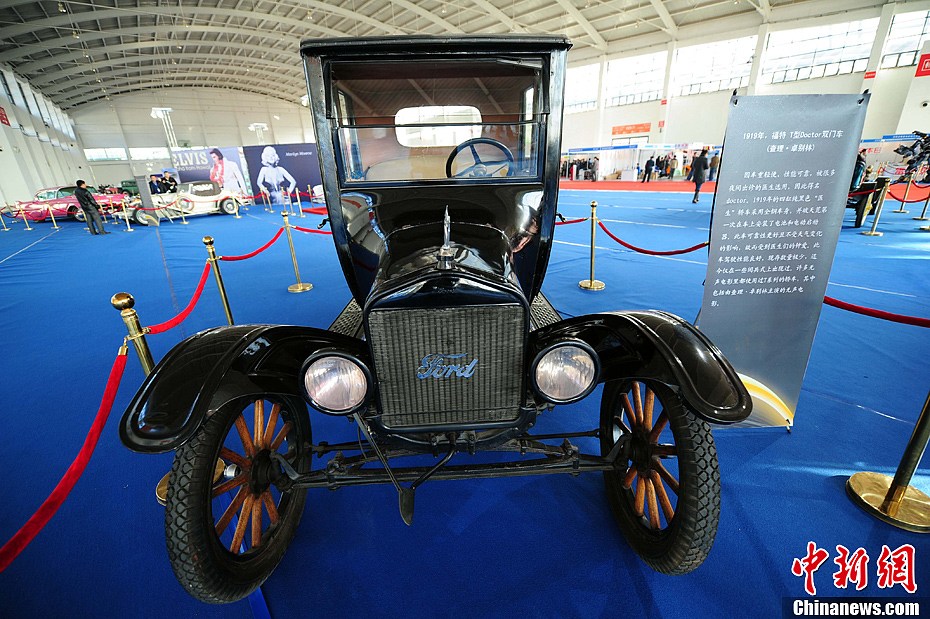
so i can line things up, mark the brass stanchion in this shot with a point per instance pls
(591, 283)
(894, 500)
(907, 190)
(300, 206)
(22, 213)
(127, 217)
(878, 212)
(299, 286)
(124, 302)
(923, 213)
(236, 203)
(266, 201)
(183, 221)
(55, 225)
(215, 265)
(3, 221)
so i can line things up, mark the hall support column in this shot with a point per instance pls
(757, 59)
(659, 128)
(916, 108)
(875, 56)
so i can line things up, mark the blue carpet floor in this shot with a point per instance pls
(532, 547)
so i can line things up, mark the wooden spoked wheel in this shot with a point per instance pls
(248, 473)
(226, 535)
(664, 490)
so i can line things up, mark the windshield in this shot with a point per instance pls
(437, 119)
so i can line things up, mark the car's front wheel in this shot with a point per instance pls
(664, 491)
(76, 213)
(226, 535)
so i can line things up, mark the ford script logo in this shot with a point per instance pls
(439, 365)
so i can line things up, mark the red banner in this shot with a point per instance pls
(4, 118)
(923, 67)
(869, 75)
(627, 129)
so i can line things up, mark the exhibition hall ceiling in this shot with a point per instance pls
(80, 51)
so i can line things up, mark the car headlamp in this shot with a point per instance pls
(566, 371)
(335, 383)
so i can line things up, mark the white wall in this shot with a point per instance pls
(34, 155)
(703, 118)
(201, 117)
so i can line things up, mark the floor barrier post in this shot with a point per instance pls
(126, 216)
(923, 213)
(591, 283)
(878, 213)
(22, 212)
(124, 302)
(215, 266)
(907, 190)
(3, 221)
(893, 500)
(55, 225)
(299, 286)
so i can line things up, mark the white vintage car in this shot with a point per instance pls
(191, 198)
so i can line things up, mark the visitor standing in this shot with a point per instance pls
(90, 208)
(699, 174)
(712, 167)
(672, 166)
(650, 165)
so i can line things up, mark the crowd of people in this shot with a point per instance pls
(669, 166)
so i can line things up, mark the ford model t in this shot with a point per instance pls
(440, 162)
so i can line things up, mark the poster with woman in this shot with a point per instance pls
(280, 168)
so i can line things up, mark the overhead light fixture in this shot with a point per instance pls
(75, 34)
(309, 15)
(276, 117)
(61, 7)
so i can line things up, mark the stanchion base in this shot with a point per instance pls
(161, 488)
(920, 218)
(900, 210)
(302, 287)
(184, 223)
(868, 491)
(867, 233)
(237, 216)
(591, 284)
(924, 228)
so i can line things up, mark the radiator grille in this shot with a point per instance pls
(491, 334)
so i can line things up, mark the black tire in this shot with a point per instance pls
(141, 217)
(670, 545)
(228, 207)
(200, 557)
(77, 214)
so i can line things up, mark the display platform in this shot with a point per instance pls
(538, 546)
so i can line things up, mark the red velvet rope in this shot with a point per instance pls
(860, 193)
(311, 230)
(903, 201)
(874, 313)
(571, 221)
(252, 254)
(170, 324)
(320, 210)
(650, 252)
(50, 506)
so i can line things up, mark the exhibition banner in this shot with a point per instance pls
(277, 168)
(222, 165)
(780, 201)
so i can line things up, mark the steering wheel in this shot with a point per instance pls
(480, 168)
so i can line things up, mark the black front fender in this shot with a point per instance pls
(657, 345)
(213, 367)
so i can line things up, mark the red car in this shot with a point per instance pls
(63, 204)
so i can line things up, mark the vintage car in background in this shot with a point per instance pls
(192, 198)
(440, 161)
(63, 204)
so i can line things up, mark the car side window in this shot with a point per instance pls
(45, 195)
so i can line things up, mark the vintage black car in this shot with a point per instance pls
(440, 162)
